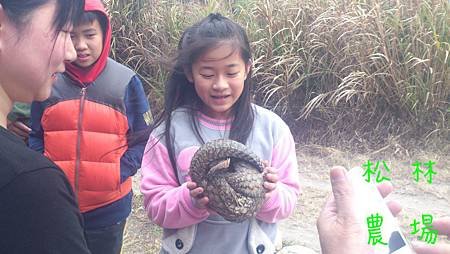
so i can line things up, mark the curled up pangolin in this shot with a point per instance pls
(232, 178)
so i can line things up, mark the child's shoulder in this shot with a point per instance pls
(263, 114)
(180, 119)
(181, 113)
(268, 127)
(116, 75)
(115, 66)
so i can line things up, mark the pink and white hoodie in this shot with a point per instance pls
(188, 229)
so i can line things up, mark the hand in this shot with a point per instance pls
(443, 227)
(19, 128)
(270, 179)
(338, 226)
(198, 198)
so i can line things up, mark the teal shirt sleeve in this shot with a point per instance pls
(21, 112)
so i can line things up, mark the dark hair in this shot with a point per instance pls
(67, 11)
(195, 41)
(89, 16)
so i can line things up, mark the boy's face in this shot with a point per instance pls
(88, 41)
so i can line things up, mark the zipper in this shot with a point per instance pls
(78, 147)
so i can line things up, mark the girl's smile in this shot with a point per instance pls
(220, 99)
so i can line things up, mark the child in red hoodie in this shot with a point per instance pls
(83, 127)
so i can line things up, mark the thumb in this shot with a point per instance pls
(342, 192)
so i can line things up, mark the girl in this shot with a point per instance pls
(38, 211)
(207, 97)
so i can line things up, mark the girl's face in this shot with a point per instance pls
(30, 57)
(218, 76)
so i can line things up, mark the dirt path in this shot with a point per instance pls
(300, 229)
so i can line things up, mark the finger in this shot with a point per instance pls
(342, 192)
(443, 226)
(8, 123)
(385, 188)
(191, 185)
(269, 186)
(203, 201)
(271, 170)
(196, 192)
(423, 248)
(265, 163)
(17, 131)
(273, 178)
(329, 208)
(394, 207)
(327, 214)
(22, 127)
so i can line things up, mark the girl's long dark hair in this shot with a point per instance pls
(179, 92)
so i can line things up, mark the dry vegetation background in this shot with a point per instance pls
(354, 79)
(367, 72)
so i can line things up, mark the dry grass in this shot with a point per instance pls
(362, 72)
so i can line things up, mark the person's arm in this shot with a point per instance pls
(282, 200)
(36, 138)
(166, 203)
(139, 117)
(48, 220)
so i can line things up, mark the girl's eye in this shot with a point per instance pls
(206, 75)
(90, 35)
(233, 74)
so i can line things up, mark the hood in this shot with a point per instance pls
(88, 75)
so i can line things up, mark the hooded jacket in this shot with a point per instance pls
(84, 127)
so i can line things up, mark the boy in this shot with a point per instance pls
(83, 127)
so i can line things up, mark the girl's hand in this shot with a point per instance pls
(198, 198)
(270, 179)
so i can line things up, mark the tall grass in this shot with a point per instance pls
(357, 70)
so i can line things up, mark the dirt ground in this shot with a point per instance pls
(141, 236)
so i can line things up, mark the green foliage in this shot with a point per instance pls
(355, 69)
